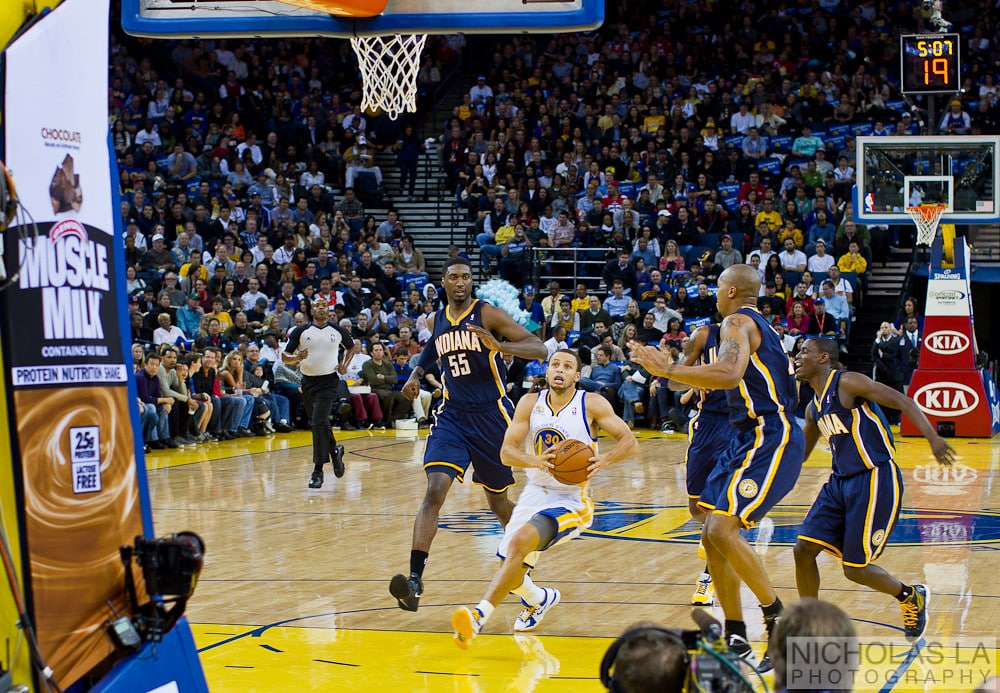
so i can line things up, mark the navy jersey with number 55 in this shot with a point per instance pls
(472, 373)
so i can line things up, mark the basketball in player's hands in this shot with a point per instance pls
(572, 458)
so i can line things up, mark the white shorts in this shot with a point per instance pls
(573, 512)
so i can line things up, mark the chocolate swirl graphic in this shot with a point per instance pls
(74, 537)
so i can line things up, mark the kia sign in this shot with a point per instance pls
(946, 399)
(947, 342)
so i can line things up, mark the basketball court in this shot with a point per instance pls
(294, 593)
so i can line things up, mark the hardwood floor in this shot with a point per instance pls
(294, 594)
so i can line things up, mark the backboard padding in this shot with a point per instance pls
(220, 18)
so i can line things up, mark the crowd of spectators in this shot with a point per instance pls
(703, 135)
(663, 151)
(237, 161)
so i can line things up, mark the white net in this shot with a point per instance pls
(389, 66)
(926, 218)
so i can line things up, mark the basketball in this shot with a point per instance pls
(571, 461)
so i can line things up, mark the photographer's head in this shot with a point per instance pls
(808, 618)
(646, 658)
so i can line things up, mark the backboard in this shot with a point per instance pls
(957, 171)
(219, 18)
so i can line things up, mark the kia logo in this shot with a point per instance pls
(946, 399)
(947, 342)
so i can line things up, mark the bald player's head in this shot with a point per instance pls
(743, 278)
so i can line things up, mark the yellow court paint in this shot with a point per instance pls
(305, 659)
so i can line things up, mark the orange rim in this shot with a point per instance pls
(927, 212)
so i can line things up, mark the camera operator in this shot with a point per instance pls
(648, 660)
(651, 658)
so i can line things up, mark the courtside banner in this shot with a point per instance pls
(72, 407)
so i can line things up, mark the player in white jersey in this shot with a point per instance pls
(548, 512)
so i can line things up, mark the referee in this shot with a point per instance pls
(315, 348)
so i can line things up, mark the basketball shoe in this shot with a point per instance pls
(467, 624)
(532, 615)
(739, 646)
(704, 591)
(407, 591)
(914, 610)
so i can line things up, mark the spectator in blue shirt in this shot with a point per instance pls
(617, 303)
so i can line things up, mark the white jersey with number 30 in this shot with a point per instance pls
(550, 427)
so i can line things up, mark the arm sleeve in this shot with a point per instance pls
(293, 340)
(348, 341)
(428, 357)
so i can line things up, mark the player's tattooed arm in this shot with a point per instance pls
(729, 351)
(722, 375)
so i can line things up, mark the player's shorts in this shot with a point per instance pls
(853, 516)
(573, 512)
(463, 435)
(708, 438)
(757, 470)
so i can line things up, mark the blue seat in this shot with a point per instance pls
(852, 279)
(693, 254)
(819, 278)
(840, 130)
(366, 187)
(710, 240)
(863, 129)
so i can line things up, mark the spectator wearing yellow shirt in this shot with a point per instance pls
(790, 231)
(769, 216)
(581, 299)
(852, 260)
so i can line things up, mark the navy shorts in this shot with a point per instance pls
(708, 438)
(462, 435)
(757, 470)
(836, 521)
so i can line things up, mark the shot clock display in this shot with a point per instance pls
(931, 63)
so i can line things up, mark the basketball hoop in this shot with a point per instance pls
(389, 66)
(926, 218)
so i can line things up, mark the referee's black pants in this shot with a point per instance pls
(319, 394)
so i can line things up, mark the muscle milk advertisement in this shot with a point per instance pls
(72, 408)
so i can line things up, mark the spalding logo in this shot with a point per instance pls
(947, 342)
(946, 399)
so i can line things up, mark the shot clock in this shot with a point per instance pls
(930, 63)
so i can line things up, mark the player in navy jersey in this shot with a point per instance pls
(316, 348)
(473, 415)
(708, 437)
(857, 508)
(764, 458)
